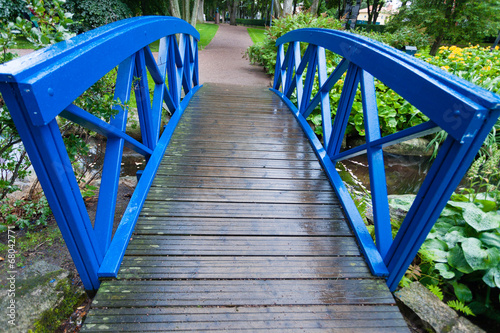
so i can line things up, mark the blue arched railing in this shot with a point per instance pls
(467, 113)
(39, 87)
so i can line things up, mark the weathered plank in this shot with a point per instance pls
(241, 231)
(154, 225)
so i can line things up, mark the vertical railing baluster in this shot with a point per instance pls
(173, 80)
(278, 80)
(310, 75)
(108, 191)
(326, 115)
(298, 75)
(378, 185)
(196, 75)
(141, 89)
(159, 90)
(287, 68)
(351, 83)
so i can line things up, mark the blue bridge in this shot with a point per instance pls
(240, 220)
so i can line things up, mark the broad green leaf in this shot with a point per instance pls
(452, 237)
(487, 205)
(490, 239)
(477, 257)
(437, 249)
(492, 277)
(463, 293)
(402, 202)
(456, 259)
(445, 271)
(475, 217)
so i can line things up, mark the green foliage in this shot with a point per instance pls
(25, 213)
(436, 291)
(53, 23)
(404, 36)
(460, 306)
(91, 14)
(265, 53)
(10, 9)
(453, 21)
(473, 63)
(257, 23)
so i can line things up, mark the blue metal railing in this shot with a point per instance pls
(44, 84)
(466, 112)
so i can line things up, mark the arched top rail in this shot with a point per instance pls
(51, 78)
(455, 105)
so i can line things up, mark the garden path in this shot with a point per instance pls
(223, 61)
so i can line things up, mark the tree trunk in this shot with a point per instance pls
(232, 13)
(277, 9)
(314, 7)
(194, 13)
(187, 10)
(201, 11)
(287, 7)
(174, 8)
(436, 45)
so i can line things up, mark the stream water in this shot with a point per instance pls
(404, 174)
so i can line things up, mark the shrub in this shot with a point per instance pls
(405, 36)
(265, 53)
(91, 14)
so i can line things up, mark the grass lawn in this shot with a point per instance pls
(22, 43)
(256, 34)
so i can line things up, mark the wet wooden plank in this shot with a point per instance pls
(238, 172)
(241, 210)
(243, 146)
(225, 182)
(241, 195)
(242, 292)
(242, 231)
(154, 225)
(236, 267)
(241, 162)
(334, 318)
(156, 245)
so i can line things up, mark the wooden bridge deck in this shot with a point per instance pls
(242, 231)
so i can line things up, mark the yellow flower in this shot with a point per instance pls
(497, 47)
(445, 67)
(477, 58)
(451, 56)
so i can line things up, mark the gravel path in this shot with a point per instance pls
(222, 61)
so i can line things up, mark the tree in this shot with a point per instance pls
(374, 7)
(314, 7)
(182, 9)
(287, 7)
(451, 20)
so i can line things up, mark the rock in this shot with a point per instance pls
(37, 289)
(413, 147)
(433, 311)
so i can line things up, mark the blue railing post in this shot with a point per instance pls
(466, 112)
(43, 85)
